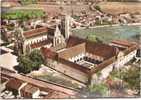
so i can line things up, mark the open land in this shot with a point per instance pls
(118, 7)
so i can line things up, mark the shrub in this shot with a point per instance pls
(30, 62)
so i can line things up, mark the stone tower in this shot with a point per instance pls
(65, 26)
(58, 38)
(20, 44)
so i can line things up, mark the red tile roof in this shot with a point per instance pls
(48, 53)
(14, 84)
(72, 41)
(99, 49)
(29, 89)
(122, 43)
(35, 32)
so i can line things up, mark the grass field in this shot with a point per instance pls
(107, 34)
(120, 7)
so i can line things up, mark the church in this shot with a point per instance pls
(51, 37)
(78, 58)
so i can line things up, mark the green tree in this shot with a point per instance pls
(93, 38)
(30, 62)
(36, 56)
(132, 77)
(25, 64)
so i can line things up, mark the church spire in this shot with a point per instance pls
(57, 32)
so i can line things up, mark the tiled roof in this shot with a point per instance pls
(72, 41)
(29, 88)
(122, 43)
(72, 51)
(48, 53)
(35, 32)
(14, 84)
(99, 49)
(130, 49)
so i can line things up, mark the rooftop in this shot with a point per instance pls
(48, 53)
(14, 84)
(35, 32)
(103, 50)
(123, 43)
(29, 88)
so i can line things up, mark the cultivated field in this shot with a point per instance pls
(120, 7)
(55, 9)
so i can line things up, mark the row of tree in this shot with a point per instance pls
(23, 14)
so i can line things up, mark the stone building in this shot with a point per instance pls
(51, 37)
(82, 60)
(78, 58)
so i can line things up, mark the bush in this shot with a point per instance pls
(30, 62)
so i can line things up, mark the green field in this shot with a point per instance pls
(23, 14)
(107, 34)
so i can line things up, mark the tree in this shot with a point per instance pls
(93, 38)
(132, 77)
(30, 62)
(36, 57)
(25, 64)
